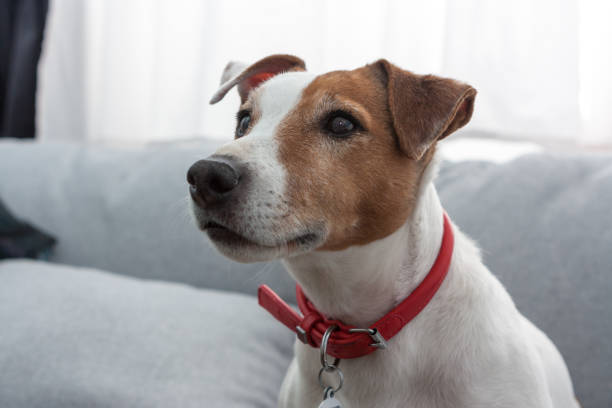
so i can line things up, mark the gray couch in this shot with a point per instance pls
(137, 310)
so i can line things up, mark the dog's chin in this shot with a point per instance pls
(245, 250)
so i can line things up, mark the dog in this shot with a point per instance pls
(333, 174)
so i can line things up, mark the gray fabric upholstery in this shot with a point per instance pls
(545, 228)
(543, 222)
(123, 210)
(75, 337)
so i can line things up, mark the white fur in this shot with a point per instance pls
(470, 347)
(232, 70)
(261, 218)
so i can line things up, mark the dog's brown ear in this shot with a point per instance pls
(249, 78)
(424, 108)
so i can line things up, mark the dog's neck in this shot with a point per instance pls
(360, 284)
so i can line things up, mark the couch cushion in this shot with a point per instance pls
(82, 337)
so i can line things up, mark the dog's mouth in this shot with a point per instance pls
(226, 238)
(222, 234)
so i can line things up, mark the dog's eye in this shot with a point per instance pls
(340, 126)
(244, 120)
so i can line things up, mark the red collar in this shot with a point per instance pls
(347, 341)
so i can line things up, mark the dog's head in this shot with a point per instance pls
(321, 162)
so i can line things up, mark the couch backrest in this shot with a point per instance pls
(544, 223)
(123, 210)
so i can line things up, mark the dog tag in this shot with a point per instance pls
(330, 403)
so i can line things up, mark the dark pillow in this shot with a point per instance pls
(19, 239)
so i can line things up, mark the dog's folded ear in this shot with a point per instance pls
(424, 108)
(248, 78)
(232, 70)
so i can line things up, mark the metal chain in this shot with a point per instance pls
(329, 391)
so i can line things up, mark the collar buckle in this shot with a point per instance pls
(379, 340)
(302, 335)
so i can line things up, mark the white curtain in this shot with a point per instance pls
(143, 70)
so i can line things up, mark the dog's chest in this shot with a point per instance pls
(388, 378)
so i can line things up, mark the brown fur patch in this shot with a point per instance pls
(364, 187)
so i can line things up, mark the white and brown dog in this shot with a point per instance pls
(333, 174)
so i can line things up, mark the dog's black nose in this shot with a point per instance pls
(211, 181)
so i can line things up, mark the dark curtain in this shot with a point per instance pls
(22, 24)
